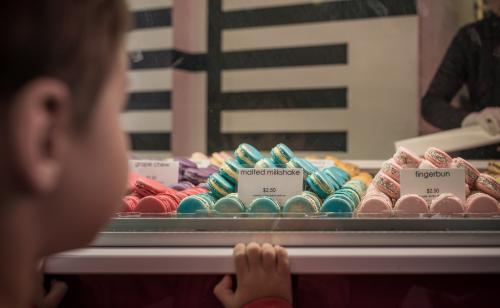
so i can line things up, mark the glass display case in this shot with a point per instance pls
(340, 83)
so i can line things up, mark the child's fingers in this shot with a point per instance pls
(56, 294)
(268, 257)
(240, 260)
(253, 256)
(224, 292)
(283, 264)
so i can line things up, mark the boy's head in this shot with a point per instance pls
(62, 87)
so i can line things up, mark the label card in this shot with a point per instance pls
(430, 183)
(321, 163)
(163, 171)
(277, 183)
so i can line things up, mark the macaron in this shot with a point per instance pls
(219, 186)
(129, 203)
(321, 184)
(198, 156)
(488, 184)
(405, 158)
(183, 185)
(198, 175)
(471, 173)
(357, 187)
(438, 157)
(425, 164)
(349, 194)
(217, 159)
(264, 205)
(447, 204)
(387, 185)
(229, 204)
(147, 187)
(230, 169)
(365, 177)
(305, 165)
(132, 179)
(281, 154)
(391, 169)
(303, 203)
(247, 155)
(265, 163)
(338, 204)
(481, 203)
(376, 205)
(195, 204)
(410, 206)
(156, 204)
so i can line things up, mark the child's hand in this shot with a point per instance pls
(261, 271)
(53, 297)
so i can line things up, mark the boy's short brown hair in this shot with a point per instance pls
(75, 41)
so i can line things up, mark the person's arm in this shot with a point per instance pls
(450, 77)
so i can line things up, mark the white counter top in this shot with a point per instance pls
(338, 260)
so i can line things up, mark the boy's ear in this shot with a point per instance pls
(39, 129)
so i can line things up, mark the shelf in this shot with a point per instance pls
(339, 260)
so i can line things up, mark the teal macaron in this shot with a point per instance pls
(264, 205)
(219, 186)
(265, 163)
(339, 173)
(337, 204)
(321, 184)
(303, 203)
(305, 165)
(230, 170)
(337, 177)
(247, 155)
(350, 194)
(281, 154)
(229, 204)
(195, 204)
(356, 186)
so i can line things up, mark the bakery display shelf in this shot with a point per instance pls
(306, 232)
(311, 260)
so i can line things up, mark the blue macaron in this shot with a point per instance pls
(337, 204)
(265, 163)
(219, 186)
(321, 184)
(281, 155)
(305, 165)
(230, 170)
(264, 205)
(195, 204)
(229, 204)
(247, 155)
(303, 203)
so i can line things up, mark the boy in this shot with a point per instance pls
(63, 157)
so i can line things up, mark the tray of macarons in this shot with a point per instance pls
(339, 191)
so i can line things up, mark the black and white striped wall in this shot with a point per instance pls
(148, 117)
(336, 77)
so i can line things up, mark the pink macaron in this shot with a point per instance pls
(481, 203)
(447, 204)
(488, 184)
(386, 185)
(376, 205)
(471, 173)
(425, 164)
(129, 203)
(438, 157)
(392, 169)
(410, 206)
(405, 158)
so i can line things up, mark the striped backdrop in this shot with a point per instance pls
(336, 77)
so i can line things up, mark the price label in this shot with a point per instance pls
(430, 183)
(163, 171)
(277, 183)
(321, 163)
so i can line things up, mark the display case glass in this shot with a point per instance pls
(351, 93)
